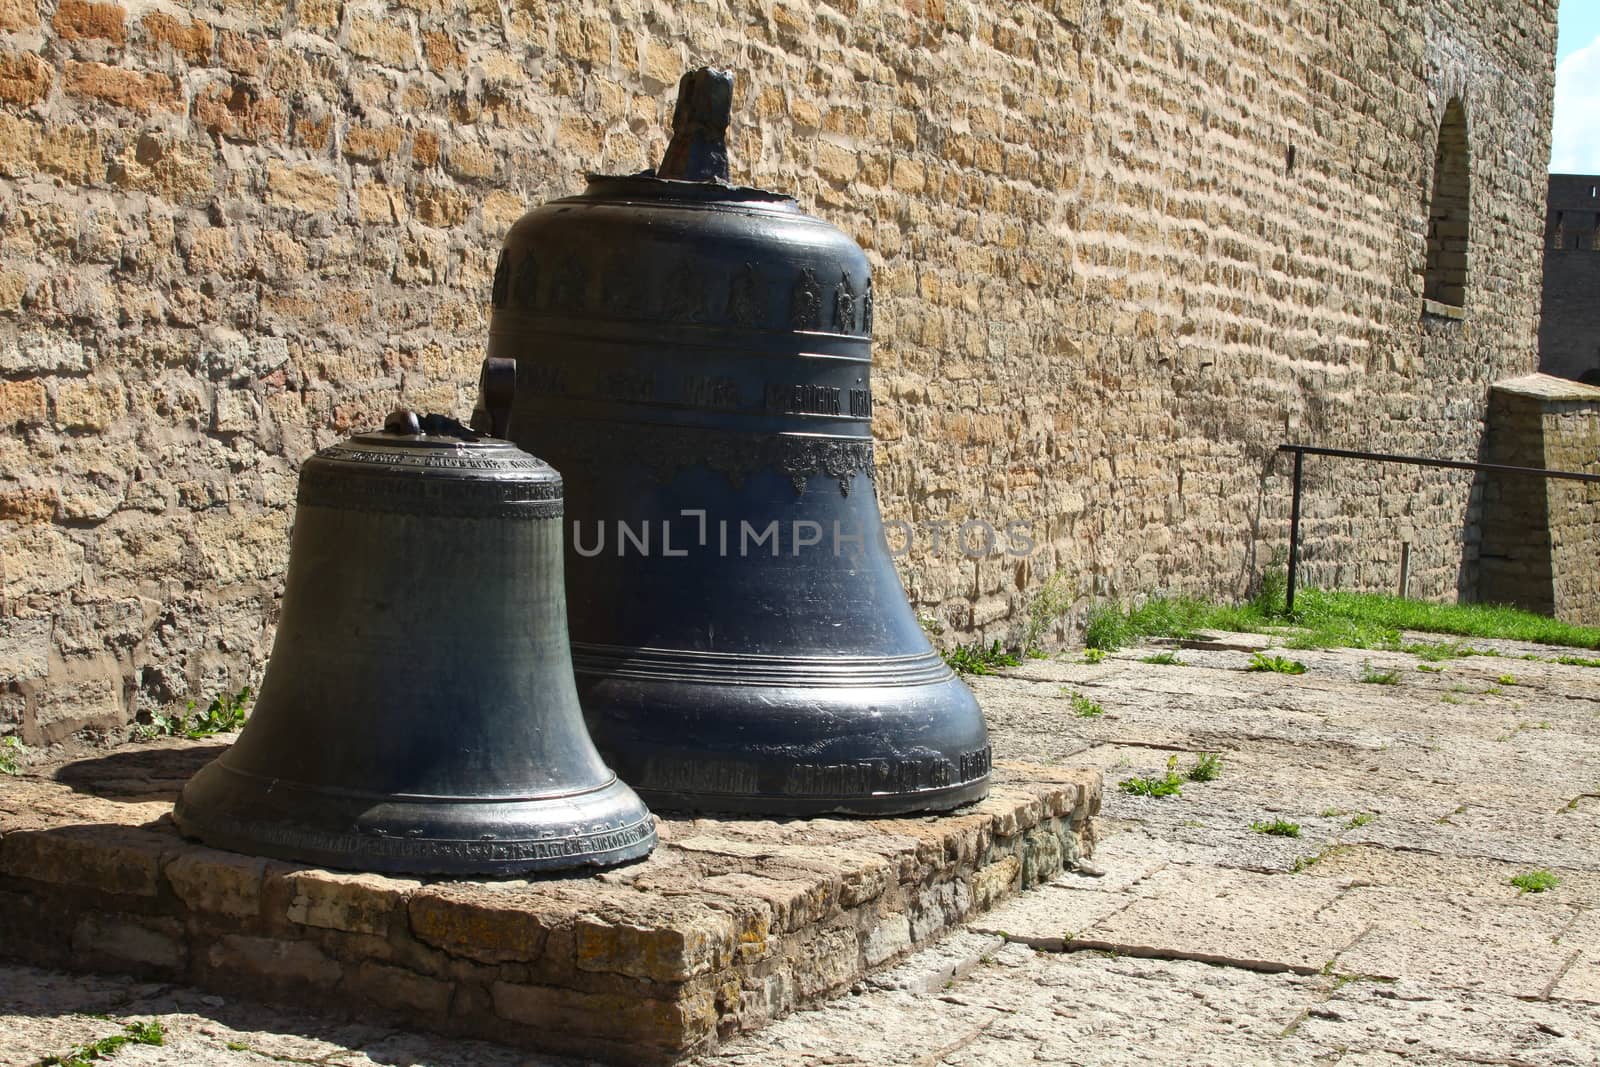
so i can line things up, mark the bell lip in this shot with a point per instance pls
(775, 805)
(245, 821)
(647, 185)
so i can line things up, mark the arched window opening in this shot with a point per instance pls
(1449, 212)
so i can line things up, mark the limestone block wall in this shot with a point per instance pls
(1539, 536)
(1569, 321)
(1123, 248)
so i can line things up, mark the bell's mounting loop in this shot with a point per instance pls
(403, 421)
(497, 386)
(699, 148)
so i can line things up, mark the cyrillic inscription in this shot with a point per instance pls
(632, 386)
(541, 377)
(710, 392)
(804, 399)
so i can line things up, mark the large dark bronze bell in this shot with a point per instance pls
(418, 712)
(695, 356)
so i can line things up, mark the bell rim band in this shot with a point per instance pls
(822, 671)
(788, 805)
(279, 782)
(617, 828)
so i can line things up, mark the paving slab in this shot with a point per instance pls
(1413, 932)
(1581, 979)
(1259, 922)
(1410, 1022)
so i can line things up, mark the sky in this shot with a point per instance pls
(1576, 139)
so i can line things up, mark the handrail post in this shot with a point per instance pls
(1294, 534)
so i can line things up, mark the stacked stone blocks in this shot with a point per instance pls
(729, 924)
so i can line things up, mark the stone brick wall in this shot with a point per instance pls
(1123, 248)
(1569, 321)
(1539, 536)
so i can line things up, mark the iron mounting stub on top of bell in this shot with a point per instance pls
(418, 712)
(696, 357)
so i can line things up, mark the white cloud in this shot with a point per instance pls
(1575, 141)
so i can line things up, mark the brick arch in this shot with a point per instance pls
(1449, 211)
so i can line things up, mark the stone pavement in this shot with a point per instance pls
(1386, 932)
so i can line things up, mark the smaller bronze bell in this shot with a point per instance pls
(418, 713)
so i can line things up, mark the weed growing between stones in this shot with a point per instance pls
(1427, 669)
(978, 658)
(1507, 679)
(1376, 677)
(1578, 661)
(1305, 863)
(1093, 655)
(1535, 881)
(1208, 768)
(1168, 785)
(223, 714)
(1045, 608)
(1082, 706)
(149, 1033)
(1360, 819)
(1165, 659)
(11, 752)
(1260, 661)
(1434, 651)
(1277, 828)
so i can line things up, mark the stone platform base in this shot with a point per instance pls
(730, 924)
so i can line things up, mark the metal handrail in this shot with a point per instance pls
(1301, 451)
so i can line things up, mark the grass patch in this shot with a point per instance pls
(1104, 629)
(1507, 679)
(1277, 828)
(1372, 676)
(149, 1033)
(1093, 655)
(1578, 661)
(1082, 706)
(1429, 669)
(1261, 661)
(1360, 819)
(978, 658)
(1535, 881)
(1165, 659)
(1331, 619)
(1208, 768)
